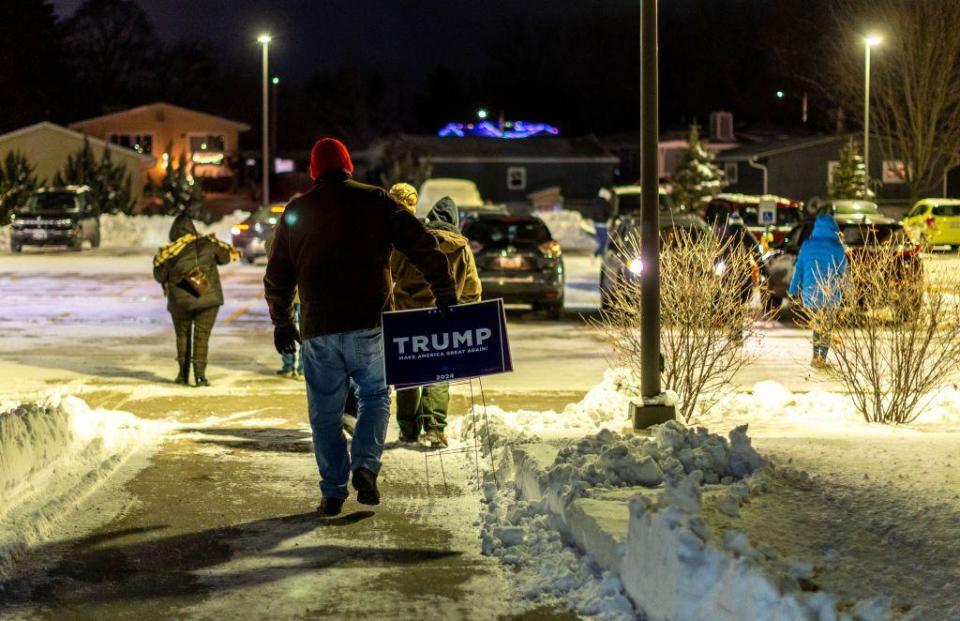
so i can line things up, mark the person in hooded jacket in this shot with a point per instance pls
(194, 311)
(425, 407)
(817, 273)
(333, 245)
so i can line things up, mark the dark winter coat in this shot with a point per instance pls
(411, 290)
(821, 264)
(175, 260)
(334, 244)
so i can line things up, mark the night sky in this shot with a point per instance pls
(398, 38)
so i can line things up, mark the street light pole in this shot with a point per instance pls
(868, 42)
(274, 85)
(653, 410)
(265, 40)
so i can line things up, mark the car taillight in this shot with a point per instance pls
(239, 228)
(550, 248)
(931, 222)
(476, 246)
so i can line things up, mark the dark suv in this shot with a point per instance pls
(517, 260)
(64, 216)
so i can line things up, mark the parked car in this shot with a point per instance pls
(858, 232)
(250, 236)
(761, 215)
(619, 264)
(463, 192)
(517, 260)
(626, 200)
(59, 216)
(934, 222)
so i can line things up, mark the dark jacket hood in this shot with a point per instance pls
(444, 215)
(182, 225)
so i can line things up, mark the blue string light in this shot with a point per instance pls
(486, 129)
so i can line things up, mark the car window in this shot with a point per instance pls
(871, 234)
(916, 211)
(787, 216)
(507, 231)
(946, 210)
(52, 201)
(630, 202)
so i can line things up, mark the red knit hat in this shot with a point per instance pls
(328, 154)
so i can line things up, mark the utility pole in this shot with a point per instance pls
(264, 40)
(653, 410)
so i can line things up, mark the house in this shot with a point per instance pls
(802, 167)
(509, 170)
(47, 145)
(672, 148)
(166, 131)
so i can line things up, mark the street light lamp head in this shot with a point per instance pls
(275, 80)
(482, 113)
(873, 39)
(265, 38)
(779, 94)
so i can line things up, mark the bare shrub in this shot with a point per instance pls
(707, 314)
(895, 338)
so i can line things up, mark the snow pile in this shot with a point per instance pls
(676, 568)
(574, 232)
(146, 232)
(151, 232)
(606, 405)
(54, 453)
(520, 533)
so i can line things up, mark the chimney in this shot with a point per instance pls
(721, 126)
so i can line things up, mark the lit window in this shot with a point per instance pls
(517, 178)
(894, 171)
(141, 143)
(207, 143)
(732, 172)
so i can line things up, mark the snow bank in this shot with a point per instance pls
(146, 232)
(53, 453)
(574, 232)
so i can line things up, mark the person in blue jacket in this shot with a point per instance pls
(820, 266)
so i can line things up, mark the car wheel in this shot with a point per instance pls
(76, 245)
(95, 240)
(15, 247)
(555, 310)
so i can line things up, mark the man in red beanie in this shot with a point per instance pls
(333, 244)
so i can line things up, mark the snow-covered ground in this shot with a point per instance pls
(217, 520)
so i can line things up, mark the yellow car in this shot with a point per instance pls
(934, 222)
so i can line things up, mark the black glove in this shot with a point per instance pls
(285, 338)
(444, 302)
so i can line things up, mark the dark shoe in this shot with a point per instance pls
(330, 506)
(200, 375)
(435, 439)
(184, 376)
(408, 439)
(287, 373)
(365, 482)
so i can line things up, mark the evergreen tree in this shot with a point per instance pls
(110, 184)
(17, 181)
(850, 180)
(178, 190)
(698, 177)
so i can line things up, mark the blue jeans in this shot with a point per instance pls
(330, 362)
(603, 237)
(294, 362)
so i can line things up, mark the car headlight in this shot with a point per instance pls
(635, 266)
(719, 267)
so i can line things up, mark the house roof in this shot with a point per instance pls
(776, 147)
(240, 126)
(47, 125)
(471, 149)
